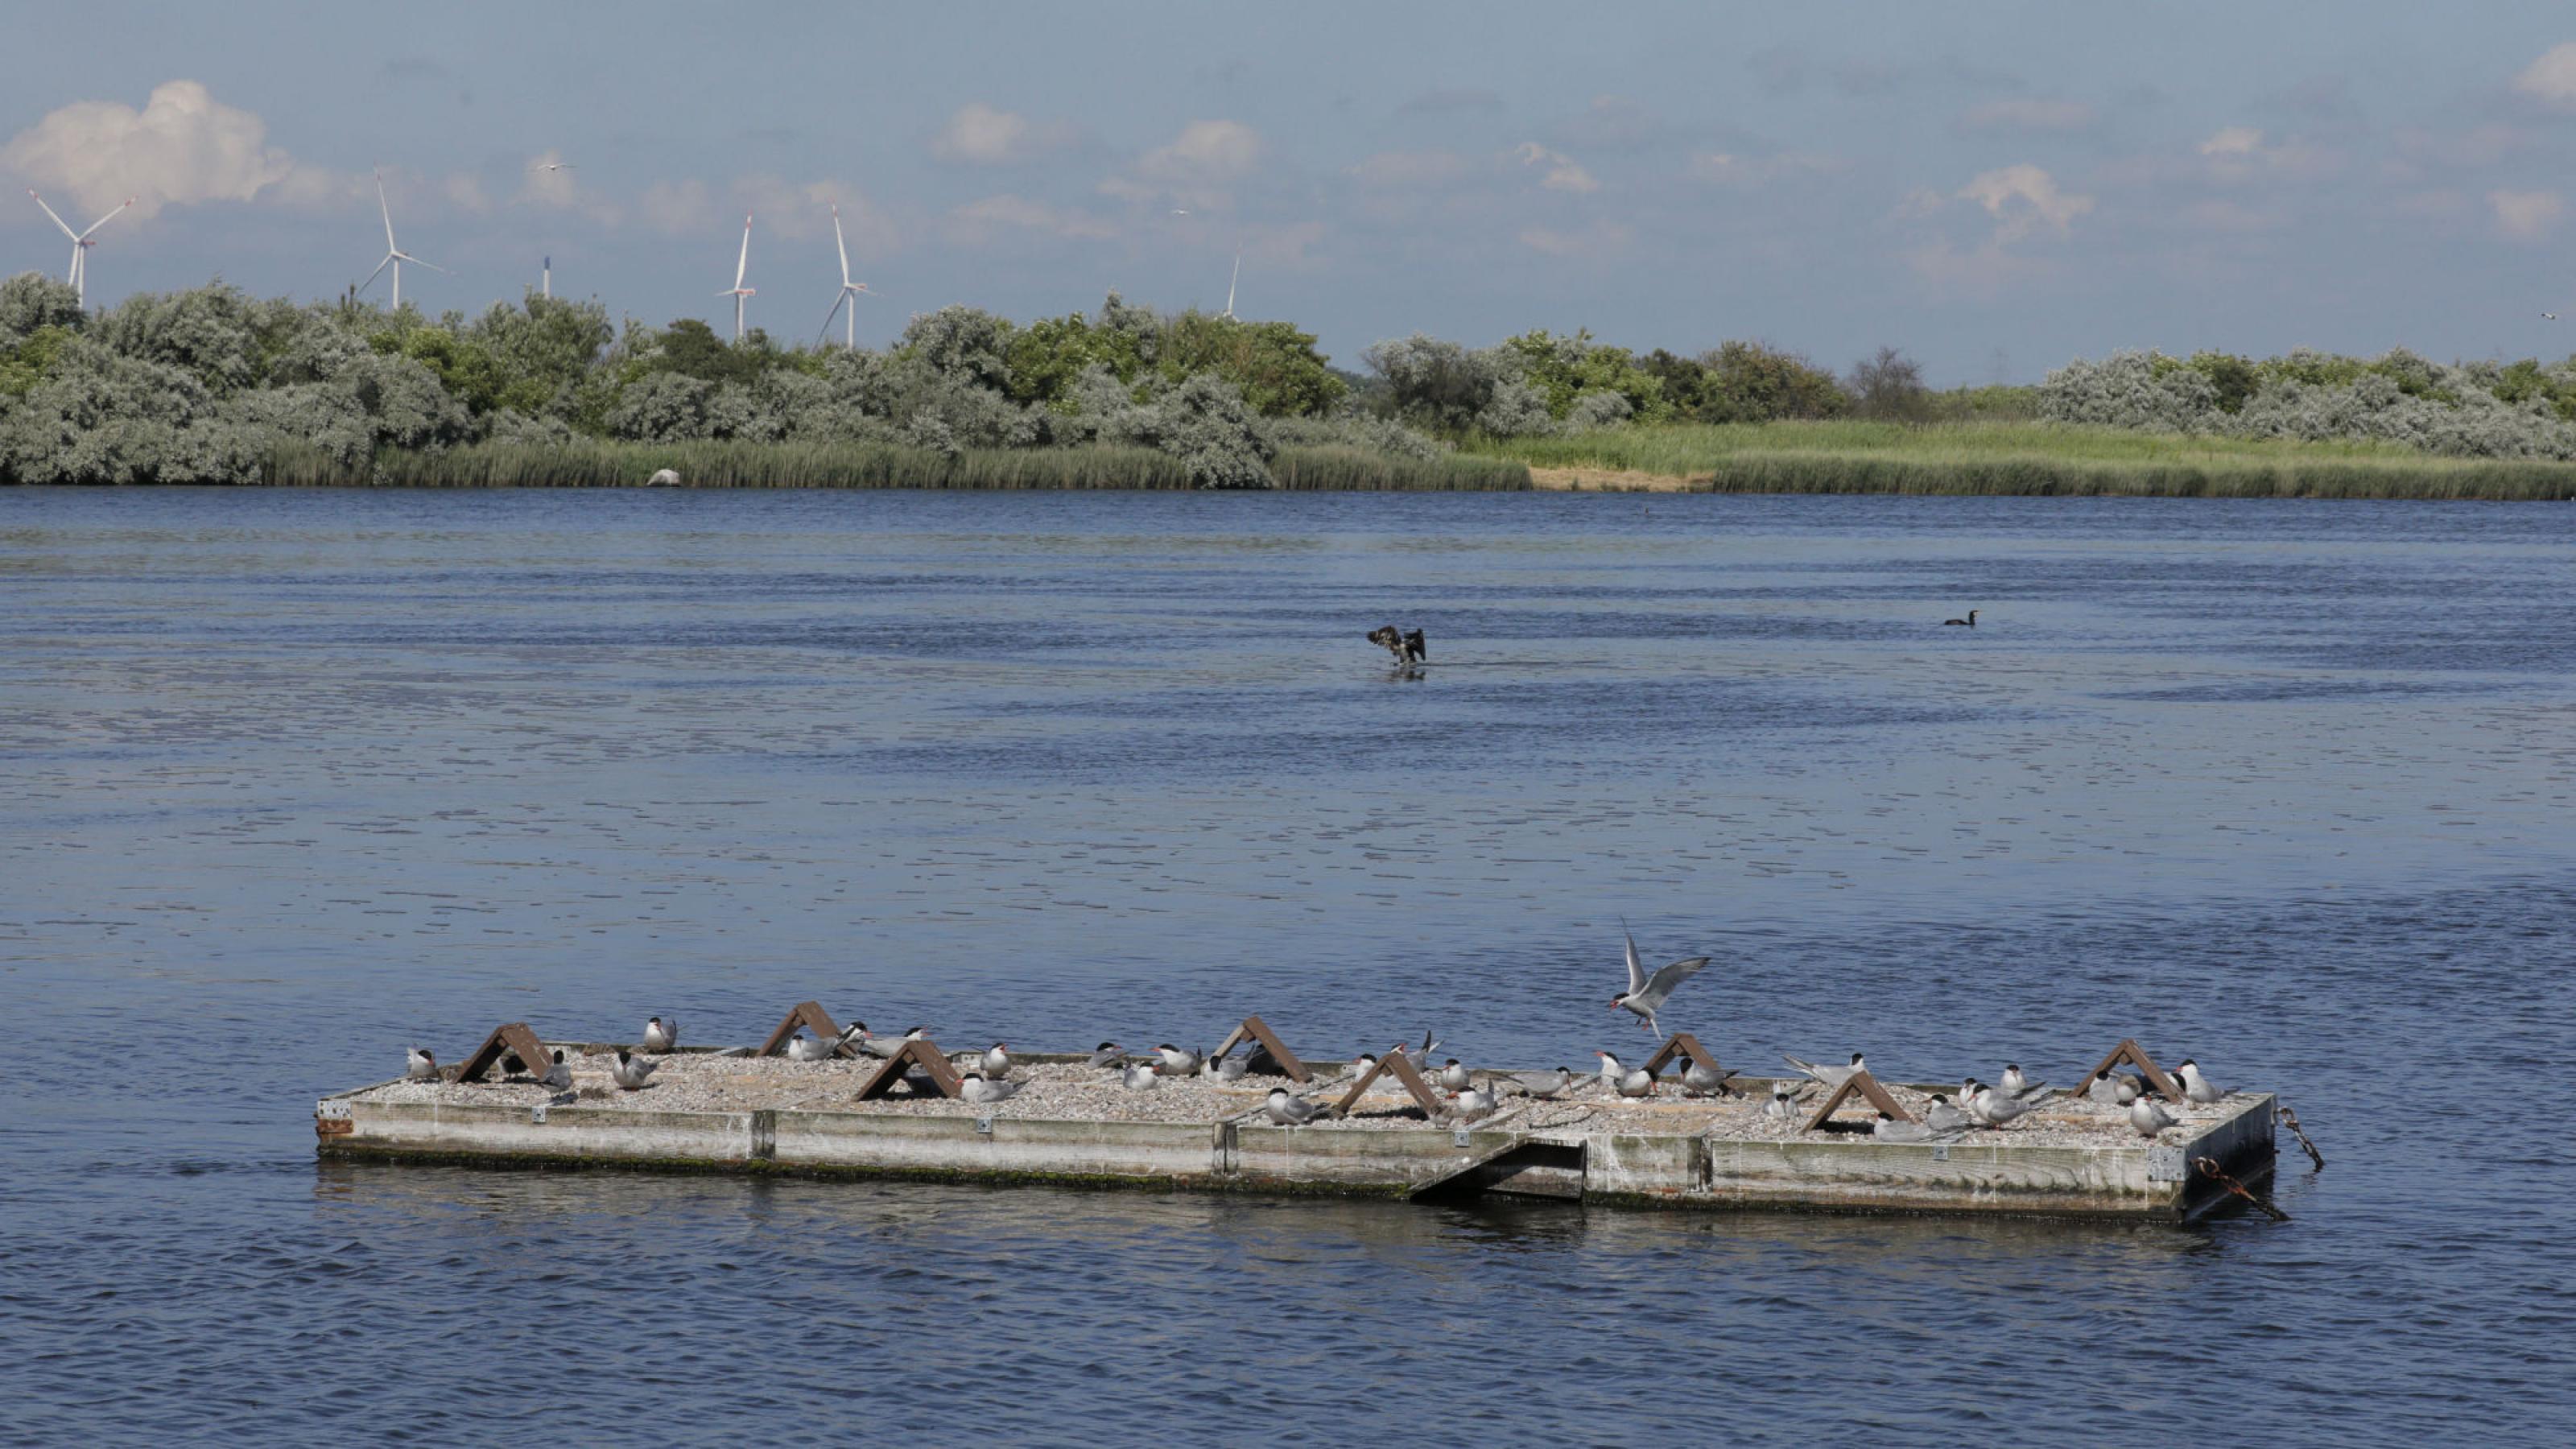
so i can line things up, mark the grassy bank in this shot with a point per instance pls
(591, 463)
(2026, 458)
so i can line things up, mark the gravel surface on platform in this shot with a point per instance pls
(1062, 1090)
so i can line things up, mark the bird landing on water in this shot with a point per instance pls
(1408, 649)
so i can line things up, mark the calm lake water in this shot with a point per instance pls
(293, 779)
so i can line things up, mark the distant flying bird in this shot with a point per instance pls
(555, 165)
(395, 256)
(2545, 316)
(1646, 995)
(1969, 622)
(1408, 649)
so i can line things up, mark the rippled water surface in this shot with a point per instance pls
(292, 779)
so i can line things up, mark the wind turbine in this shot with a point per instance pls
(740, 291)
(81, 244)
(1230, 281)
(395, 256)
(850, 291)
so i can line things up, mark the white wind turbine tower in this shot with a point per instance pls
(1230, 281)
(79, 277)
(741, 264)
(850, 291)
(395, 256)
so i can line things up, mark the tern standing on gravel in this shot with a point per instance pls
(661, 1035)
(2150, 1117)
(631, 1070)
(1627, 1081)
(1289, 1111)
(419, 1065)
(1829, 1076)
(1646, 994)
(974, 1087)
(1141, 1077)
(2196, 1087)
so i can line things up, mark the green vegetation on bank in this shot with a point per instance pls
(213, 386)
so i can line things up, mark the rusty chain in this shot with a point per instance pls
(2208, 1167)
(2287, 1118)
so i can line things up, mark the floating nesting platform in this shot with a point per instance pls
(1069, 1123)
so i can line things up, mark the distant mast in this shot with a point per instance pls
(546, 279)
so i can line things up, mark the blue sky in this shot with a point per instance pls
(1996, 188)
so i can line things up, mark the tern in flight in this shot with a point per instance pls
(1646, 995)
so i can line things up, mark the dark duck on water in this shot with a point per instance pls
(1408, 649)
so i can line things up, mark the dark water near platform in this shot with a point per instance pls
(292, 779)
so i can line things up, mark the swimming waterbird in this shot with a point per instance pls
(1408, 649)
(1969, 622)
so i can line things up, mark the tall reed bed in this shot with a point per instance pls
(2034, 458)
(1356, 470)
(593, 463)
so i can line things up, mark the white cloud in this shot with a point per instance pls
(1562, 172)
(465, 192)
(182, 148)
(1404, 170)
(2024, 199)
(982, 135)
(677, 207)
(1729, 169)
(1204, 152)
(1599, 239)
(2028, 113)
(2551, 80)
(2232, 141)
(982, 220)
(2526, 215)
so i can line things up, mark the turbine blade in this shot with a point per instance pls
(838, 246)
(104, 220)
(744, 260)
(387, 208)
(58, 221)
(433, 266)
(828, 316)
(378, 272)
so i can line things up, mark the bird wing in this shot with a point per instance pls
(1802, 1064)
(1636, 967)
(1671, 976)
